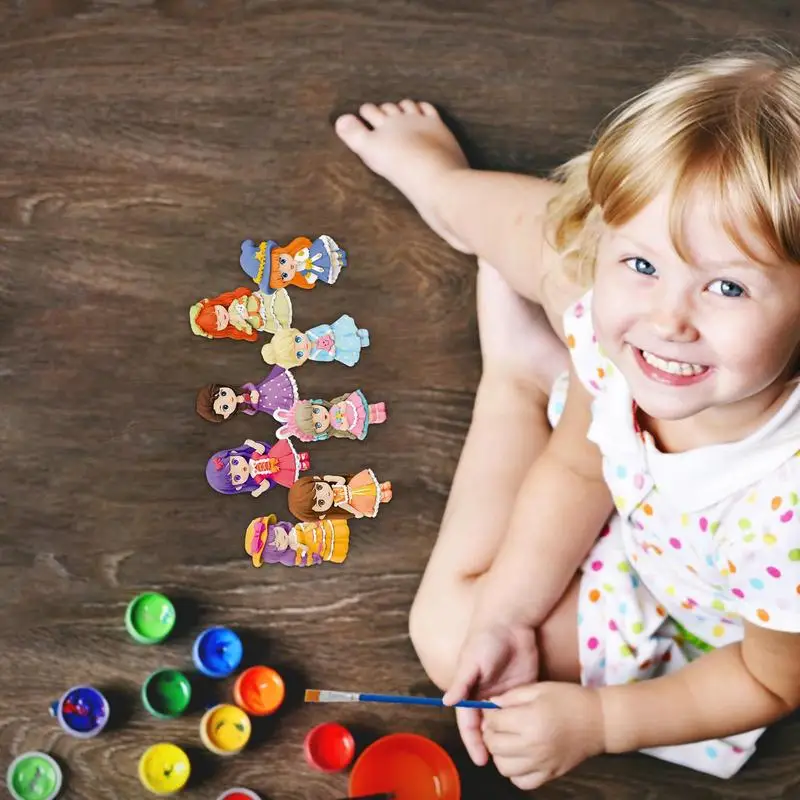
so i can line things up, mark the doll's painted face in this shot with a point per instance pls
(281, 538)
(302, 347)
(286, 267)
(225, 402)
(320, 418)
(323, 496)
(223, 318)
(240, 470)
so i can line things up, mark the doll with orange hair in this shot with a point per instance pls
(241, 314)
(301, 263)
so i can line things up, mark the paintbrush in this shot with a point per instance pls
(384, 796)
(328, 696)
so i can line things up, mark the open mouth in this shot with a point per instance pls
(673, 373)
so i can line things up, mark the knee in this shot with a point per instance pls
(433, 639)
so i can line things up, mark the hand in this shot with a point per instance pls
(254, 395)
(492, 661)
(543, 730)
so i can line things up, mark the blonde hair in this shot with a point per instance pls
(729, 125)
(281, 350)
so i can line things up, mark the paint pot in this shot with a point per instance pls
(164, 768)
(34, 776)
(166, 693)
(408, 766)
(225, 729)
(238, 794)
(150, 618)
(259, 691)
(329, 747)
(82, 711)
(217, 652)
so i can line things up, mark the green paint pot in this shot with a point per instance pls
(34, 776)
(166, 693)
(150, 618)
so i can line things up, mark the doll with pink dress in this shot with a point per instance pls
(348, 416)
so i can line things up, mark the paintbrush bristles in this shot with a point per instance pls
(311, 696)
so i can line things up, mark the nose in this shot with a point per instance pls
(673, 320)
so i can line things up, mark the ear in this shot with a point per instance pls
(281, 414)
(282, 432)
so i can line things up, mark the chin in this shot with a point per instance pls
(668, 411)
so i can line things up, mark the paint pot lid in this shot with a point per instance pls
(409, 766)
(167, 692)
(218, 651)
(164, 768)
(150, 617)
(83, 711)
(261, 690)
(329, 747)
(34, 776)
(226, 728)
(238, 794)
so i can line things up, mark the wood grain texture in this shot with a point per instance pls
(141, 140)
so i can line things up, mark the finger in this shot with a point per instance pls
(469, 726)
(518, 695)
(503, 745)
(465, 678)
(533, 780)
(507, 720)
(513, 766)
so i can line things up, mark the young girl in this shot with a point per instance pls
(672, 251)
(278, 391)
(255, 467)
(301, 263)
(338, 497)
(304, 544)
(345, 417)
(240, 314)
(341, 341)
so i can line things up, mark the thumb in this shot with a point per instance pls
(467, 674)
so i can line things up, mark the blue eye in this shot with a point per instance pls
(726, 288)
(299, 354)
(640, 265)
(317, 425)
(298, 339)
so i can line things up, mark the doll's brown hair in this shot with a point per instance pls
(301, 501)
(205, 403)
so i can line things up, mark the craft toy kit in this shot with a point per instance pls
(397, 766)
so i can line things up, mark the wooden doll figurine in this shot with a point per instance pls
(338, 496)
(301, 263)
(241, 314)
(304, 544)
(255, 467)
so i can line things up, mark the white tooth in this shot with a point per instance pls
(672, 367)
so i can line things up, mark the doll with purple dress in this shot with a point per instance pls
(277, 392)
(255, 467)
(304, 544)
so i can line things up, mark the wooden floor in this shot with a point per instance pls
(140, 141)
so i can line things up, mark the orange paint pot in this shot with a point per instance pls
(259, 691)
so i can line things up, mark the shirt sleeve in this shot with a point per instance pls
(759, 554)
(591, 366)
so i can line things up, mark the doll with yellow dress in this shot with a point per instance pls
(304, 544)
(338, 496)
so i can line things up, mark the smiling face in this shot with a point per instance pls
(302, 347)
(320, 419)
(223, 317)
(239, 470)
(225, 402)
(717, 336)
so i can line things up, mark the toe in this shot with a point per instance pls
(390, 109)
(372, 114)
(350, 129)
(428, 110)
(409, 106)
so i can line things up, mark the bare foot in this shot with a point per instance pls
(517, 340)
(411, 147)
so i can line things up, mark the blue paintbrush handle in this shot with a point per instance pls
(423, 701)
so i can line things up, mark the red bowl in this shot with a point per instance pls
(329, 747)
(410, 766)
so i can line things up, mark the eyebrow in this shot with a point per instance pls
(738, 262)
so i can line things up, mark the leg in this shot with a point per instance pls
(497, 216)
(511, 401)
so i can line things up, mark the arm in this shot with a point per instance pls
(695, 703)
(334, 480)
(259, 447)
(262, 487)
(548, 522)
